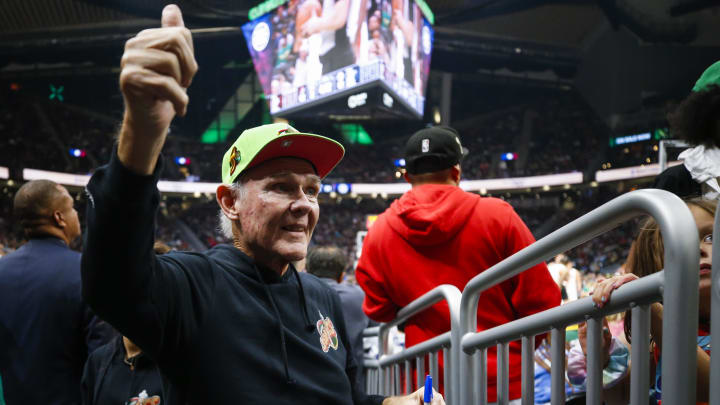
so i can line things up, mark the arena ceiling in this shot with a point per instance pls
(25, 24)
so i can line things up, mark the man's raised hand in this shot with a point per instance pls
(157, 67)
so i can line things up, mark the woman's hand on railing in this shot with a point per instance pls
(603, 289)
(416, 398)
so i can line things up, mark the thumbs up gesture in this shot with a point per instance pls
(157, 67)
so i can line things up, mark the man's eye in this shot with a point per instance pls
(312, 191)
(707, 238)
(281, 187)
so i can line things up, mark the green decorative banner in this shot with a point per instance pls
(264, 8)
(426, 11)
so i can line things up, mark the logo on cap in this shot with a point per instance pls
(234, 160)
(425, 145)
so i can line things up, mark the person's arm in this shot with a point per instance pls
(156, 302)
(534, 289)
(157, 67)
(87, 382)
(601, 295)
(329, 21)
(96, 331)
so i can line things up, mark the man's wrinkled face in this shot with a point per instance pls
(278, 211)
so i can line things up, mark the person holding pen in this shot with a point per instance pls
(238, 323)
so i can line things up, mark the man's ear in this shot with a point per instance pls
(226, 200)
(59, 219)
(455, 172)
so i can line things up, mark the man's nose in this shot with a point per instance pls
(301, 204)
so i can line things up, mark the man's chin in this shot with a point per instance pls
(293, 254)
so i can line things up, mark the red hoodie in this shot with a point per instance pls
(439, 234)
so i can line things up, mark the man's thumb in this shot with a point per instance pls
(172, 16)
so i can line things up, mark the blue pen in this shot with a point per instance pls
(428, 394)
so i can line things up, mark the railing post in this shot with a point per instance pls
(594, 362)
(640, 373)
(503, 375)
(715, 316)
(528, 370)
(557, 360)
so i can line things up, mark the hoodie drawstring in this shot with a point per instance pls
(308, 324)
(283, 346)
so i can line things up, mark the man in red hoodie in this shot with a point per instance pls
(435, 234)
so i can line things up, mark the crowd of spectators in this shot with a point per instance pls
(555, 134)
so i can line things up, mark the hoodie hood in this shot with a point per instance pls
(431, 214)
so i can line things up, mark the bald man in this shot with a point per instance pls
(46, 330)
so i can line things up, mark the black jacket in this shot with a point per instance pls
(46, 330)
(222, 329)
(109, 379)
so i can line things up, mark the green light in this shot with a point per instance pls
(56, 93)
(214, 135)
(355, 134)
(661, 133)
(264, 8)
(426, 10)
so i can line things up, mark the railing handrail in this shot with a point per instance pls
(643, 291)
(451, 295)
(680, 295)
(427, 346)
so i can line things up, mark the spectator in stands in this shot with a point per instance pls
(646, 257)
(436, 233)
(120, 369)
(238, 323)
(46, 330)
(329, 263)
(696, 121)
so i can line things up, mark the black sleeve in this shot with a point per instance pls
(87, 383)
(677, 180)
(351, 369)
(157, 302)
(96, 331)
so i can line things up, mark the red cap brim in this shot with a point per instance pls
(324, 154)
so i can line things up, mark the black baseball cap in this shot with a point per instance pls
(433, 149)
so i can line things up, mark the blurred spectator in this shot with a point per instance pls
(46, 330)
(437, 233)
(696, 121)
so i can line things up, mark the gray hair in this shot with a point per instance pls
(224, 223)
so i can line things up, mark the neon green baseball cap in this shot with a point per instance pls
(260, 144)
(710, 76)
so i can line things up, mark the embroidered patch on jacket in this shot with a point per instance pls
(143, 399)
(328, 336)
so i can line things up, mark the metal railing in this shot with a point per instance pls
(677, 286)
(715, 313)
(371, 368)
(449, 342)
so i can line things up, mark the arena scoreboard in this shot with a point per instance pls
(342, 58)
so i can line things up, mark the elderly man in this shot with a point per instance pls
(46, 330)
(238, 323)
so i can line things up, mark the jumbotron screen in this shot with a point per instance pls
(309, 51)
